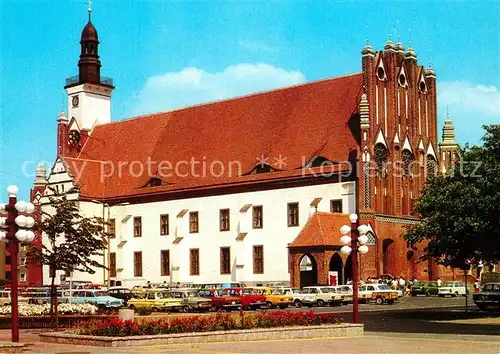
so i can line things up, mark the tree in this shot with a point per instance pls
(460, 211)
(71, 242)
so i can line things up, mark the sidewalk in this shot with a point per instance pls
(369, 343)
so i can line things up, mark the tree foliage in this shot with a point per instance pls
(71, 241)
(460, 211)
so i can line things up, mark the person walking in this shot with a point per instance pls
(402, 284)
(439, 282)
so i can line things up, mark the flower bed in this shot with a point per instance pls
(40, 310)
(218, 322)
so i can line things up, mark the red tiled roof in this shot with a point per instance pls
(322, 229)
(295, 123)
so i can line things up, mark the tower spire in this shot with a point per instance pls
(89, 8)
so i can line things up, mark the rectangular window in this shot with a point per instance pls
(336, 206)
(164, 224)
(22, 261)
(137, 264)
(257, 217)
(258, 259)
(112, 265)
(112, 228)
(165, 262)
(224, 220)
(293, 214)
(194, 255)
(137, 226)
(193, 222)
(22, 277)
(225, 260)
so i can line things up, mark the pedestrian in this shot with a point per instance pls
(439, 282)
(394, 284)
(476, 285)
(402, 284)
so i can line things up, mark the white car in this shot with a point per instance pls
(379, 292)
(324, 294)
(300, 297)
(345, 291)
(452, 288)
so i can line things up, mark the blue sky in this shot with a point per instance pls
(164, 54)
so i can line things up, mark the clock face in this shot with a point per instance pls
(74, 137)
(75, 101)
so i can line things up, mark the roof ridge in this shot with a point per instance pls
(320, 228)
(229, 99)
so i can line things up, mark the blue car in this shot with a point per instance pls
(96, 297)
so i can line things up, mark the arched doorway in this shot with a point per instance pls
(336, 265)
(348, 269)
(388, 256)
(308, 271)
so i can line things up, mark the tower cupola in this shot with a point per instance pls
(89, 64)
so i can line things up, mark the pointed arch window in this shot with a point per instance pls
(431, 167)
(406, 159)
(381, 156)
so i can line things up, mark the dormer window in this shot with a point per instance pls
(262, 168)
(154, 182)
(319, 161)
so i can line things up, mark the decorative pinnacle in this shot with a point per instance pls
(89, 9)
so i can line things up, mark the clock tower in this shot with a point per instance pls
(89, 94)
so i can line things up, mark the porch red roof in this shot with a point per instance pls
(322, 229)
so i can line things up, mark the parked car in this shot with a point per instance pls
(274, 297)
(426, 288)
(250, 298)
(120, 292)
(488, 297)
(156, 300)
(221, 301)
(96, 297)
(299, 297)
(380, 293)
(191, 300)
(384, 294)
(5, 298)
(325, 295)
(452, 288)
(345, 291)
(217, 285)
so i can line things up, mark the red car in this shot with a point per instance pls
(250, 299)
(221, 301)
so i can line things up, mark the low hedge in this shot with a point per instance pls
(64, 321)
(217, 322)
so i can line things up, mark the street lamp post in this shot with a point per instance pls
(358, 236)
(17, 228)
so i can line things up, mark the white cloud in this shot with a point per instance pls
(193, 85)
(256, 46)
(462, 95)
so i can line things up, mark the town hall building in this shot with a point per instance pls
(254, 189)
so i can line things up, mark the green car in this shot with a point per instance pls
(426, 288)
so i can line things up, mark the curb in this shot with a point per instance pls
(340, 330)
